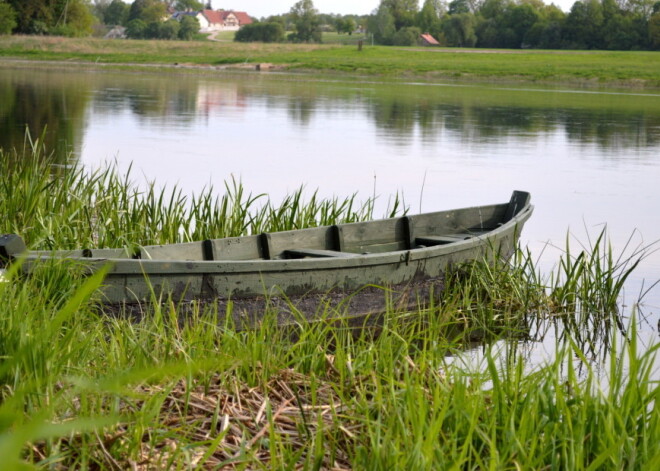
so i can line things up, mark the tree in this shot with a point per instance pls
(403, 11)
(152, 30)
(520, 18)
(345, 25)
(546, 32)
(148, 11)
(340, 25)
(494, 8)
(428, 18)
(116, 13)
(305, 21)
(350, 25)
(7, 18)
(584, 25)
(169, 29)
(458, 6)
(136, 29)
(654, 31)
(75, 19)
(644, 8)
(407, 36)
(459, 29)
(381, 25)
(72, 17)
(192, 5)
(189, 27)
(99, 8)
(272, 32)
(281, 19)
(32, 16)
(624, 32)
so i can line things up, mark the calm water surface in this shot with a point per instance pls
(590, 158)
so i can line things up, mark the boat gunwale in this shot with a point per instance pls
(124, 266)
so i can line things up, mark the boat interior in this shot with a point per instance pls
(342, 240)
(337, 241)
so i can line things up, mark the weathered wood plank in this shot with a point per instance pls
(464, 220)
(237, 248)
(189, 251)
(320, 238)
(108, 253)
(374, 237)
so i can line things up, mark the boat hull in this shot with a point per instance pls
(314, 269)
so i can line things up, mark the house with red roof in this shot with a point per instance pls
(222, 20)
(428, 40)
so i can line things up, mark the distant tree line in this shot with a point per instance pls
(60, 17)
(515, 24)
(150, 19)
(303, 22)
(142, 18)
(512, 24)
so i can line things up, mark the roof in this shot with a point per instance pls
(219, 17)
(426, 37)
(243, 18)
(213, 16)
(180, 14)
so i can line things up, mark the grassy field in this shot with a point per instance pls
(85, 388)
(636, 69)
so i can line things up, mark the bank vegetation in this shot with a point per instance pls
(591, 68)
(85, 387)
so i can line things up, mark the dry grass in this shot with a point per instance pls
(154, 47)
(226, 424)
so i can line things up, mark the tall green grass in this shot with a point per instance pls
(83, 389)
(65, 206)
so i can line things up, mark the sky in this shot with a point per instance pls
(263, 8)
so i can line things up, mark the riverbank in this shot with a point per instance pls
(84, 388)
(583, 68)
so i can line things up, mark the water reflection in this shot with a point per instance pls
(591, 157)
(57, 101)
(610, 129)
(48, 105)
(162, 101)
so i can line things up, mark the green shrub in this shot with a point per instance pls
(261, 32)
(7, 18)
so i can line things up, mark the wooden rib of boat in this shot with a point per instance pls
(302, 264)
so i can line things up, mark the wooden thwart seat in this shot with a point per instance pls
(318, 253)
(442, 239)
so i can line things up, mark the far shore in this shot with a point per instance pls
(589, 69)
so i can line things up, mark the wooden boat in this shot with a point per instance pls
(314, 267)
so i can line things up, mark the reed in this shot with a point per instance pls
(83, 388)
(52, 205)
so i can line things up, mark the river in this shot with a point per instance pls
(589, 157)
